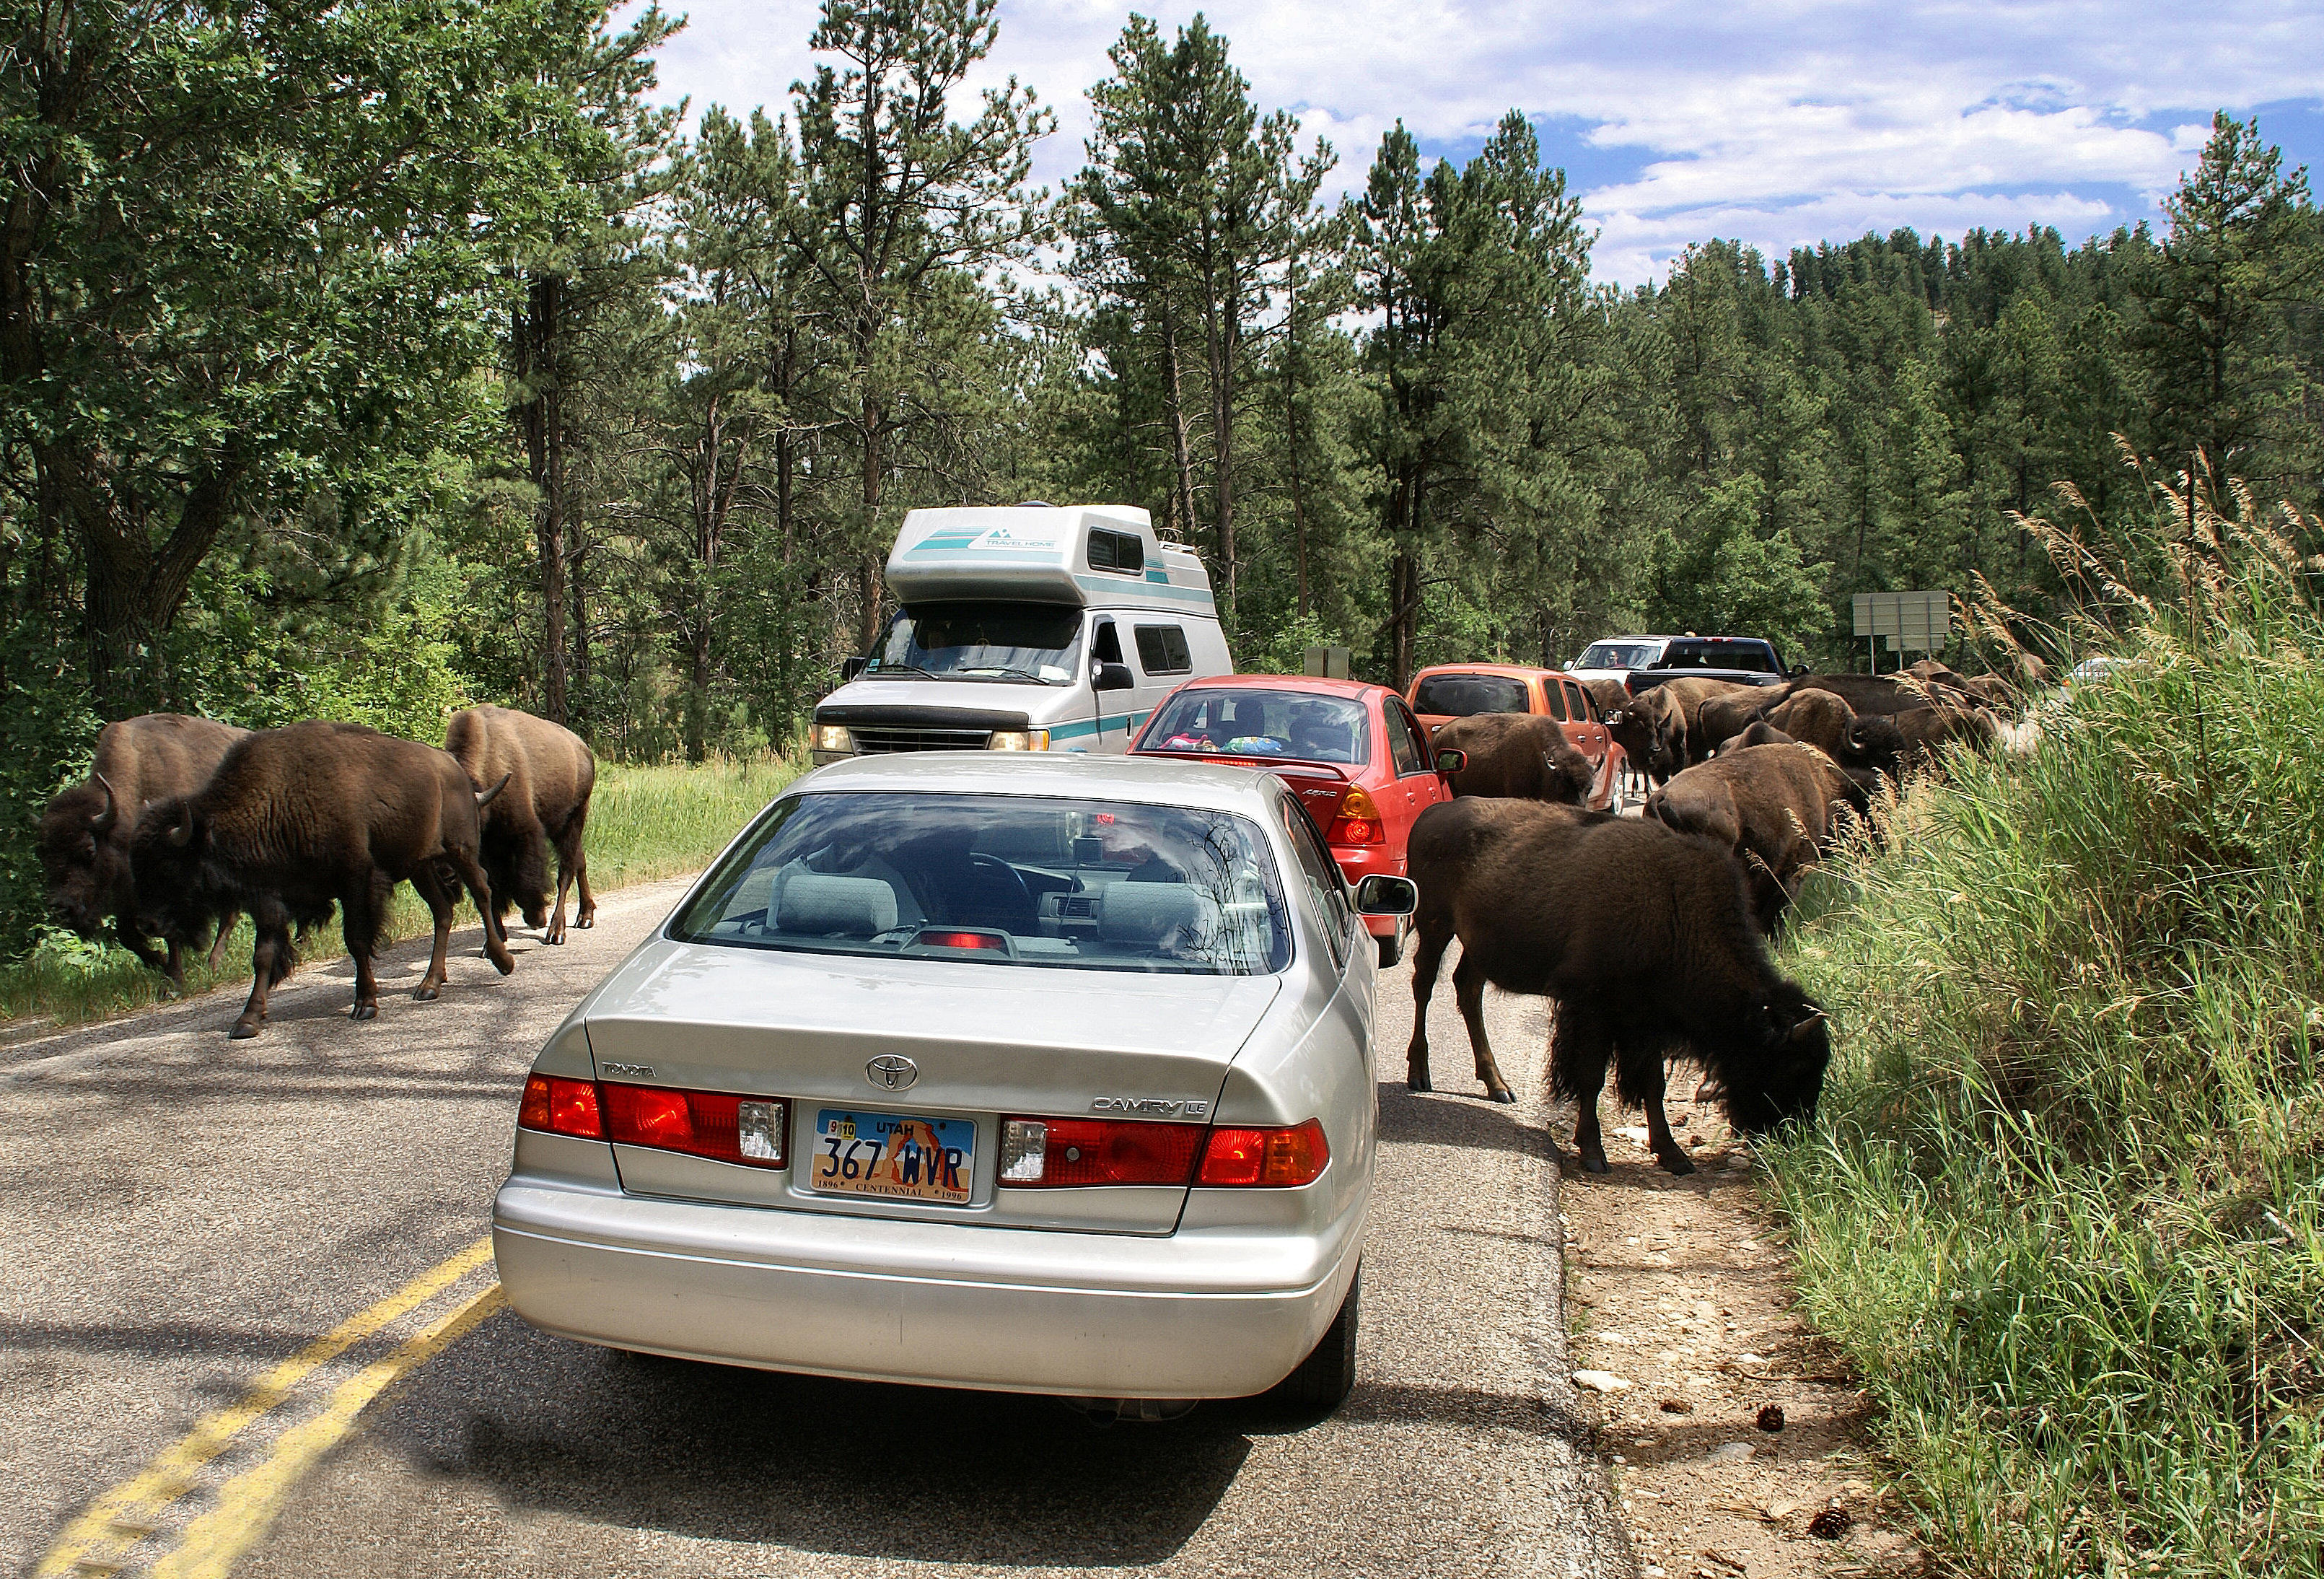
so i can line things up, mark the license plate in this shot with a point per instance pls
(894, 1156)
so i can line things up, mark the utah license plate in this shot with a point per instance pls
(894, 1156)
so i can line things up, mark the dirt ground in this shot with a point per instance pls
(1735, 1438)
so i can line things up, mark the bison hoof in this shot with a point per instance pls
(554, 939)
(587, 922)
(1595, 1163)
(244, 1029)
(364, 1012)
(1503, 1094)
(1418, 1083)
(502, 962)
(1677, 1162)
(427, 992)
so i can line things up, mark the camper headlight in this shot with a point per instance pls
(1018, 740)
(833, 737)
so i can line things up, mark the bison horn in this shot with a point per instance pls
(1806, 1022)
(111, 812)
(181, 833)
(485, 797)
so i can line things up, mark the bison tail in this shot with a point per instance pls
(485, 797)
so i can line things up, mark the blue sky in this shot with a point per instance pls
(1778, 124)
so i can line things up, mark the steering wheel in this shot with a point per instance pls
(1021, 896)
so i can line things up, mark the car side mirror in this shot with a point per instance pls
(1796, 670)
(849, 667)
(1451, 760)
(1382, 895)
(1111, 677)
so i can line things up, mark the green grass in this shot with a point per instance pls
(2063, 1209)
(644, 822)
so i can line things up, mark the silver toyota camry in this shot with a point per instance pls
(1041, 1074)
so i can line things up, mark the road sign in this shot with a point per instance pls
(1328, 662)
(1913, 622)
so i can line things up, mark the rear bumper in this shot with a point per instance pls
(1196, 1315)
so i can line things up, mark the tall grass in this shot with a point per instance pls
(644, 822)
(2064, 1209)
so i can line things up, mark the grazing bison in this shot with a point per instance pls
(1868, 743)
(1925, 730)
(1642, 937)
(1772, 805)
(84, 835)
(296, 818)
(550, 775)
(1631, 730)
(1519, 754)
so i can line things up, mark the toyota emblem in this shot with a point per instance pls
(890, 1073)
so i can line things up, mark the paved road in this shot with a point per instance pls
(187, 1216)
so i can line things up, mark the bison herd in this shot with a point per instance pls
(1650, 936)
(185, 823)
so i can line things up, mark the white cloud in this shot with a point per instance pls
(1769, 121)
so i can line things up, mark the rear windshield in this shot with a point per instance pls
(1714, 653)
(1297, 726)
(1617, 655)
(1001, 879)
(1463, 695)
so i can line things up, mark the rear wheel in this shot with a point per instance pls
(1328, 1374)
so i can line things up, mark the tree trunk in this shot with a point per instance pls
(538, 354)
(1182, 493)
(133, 590)
(867, 572)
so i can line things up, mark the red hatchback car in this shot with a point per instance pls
(1358, 759)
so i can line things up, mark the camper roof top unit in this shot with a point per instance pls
(1093, 555)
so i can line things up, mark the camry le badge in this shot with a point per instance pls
(890, 1073)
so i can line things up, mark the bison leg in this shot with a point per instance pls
(1667, 1150)
(480, 889)
(430, 883)
(572, 858)
(1579, 1048)
(359, 913)
(271, 959)
(1468, 992)
(217, 945)
(1425, 961)
(145, 951)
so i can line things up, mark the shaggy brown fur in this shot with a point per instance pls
(1520, 754)
(1871, 742)
(1642, 937)
(550, 775)
(84, 836)
(1772, 805)
(1674, 712)
(296, 818)
(1631, 729)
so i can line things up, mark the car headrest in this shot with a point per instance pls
(820, 906)
(1149, 912)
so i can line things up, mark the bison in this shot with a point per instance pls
(84, 835)
(298, 818)
(1674, 712)
(1642, 937)
(1863, 742)
(550, 775)
(1772, 805)
(1631, 729)
(1520, 754)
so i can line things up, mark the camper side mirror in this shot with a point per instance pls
(1451, 760)
(849, 667)
(1110, 676)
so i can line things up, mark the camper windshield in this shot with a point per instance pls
(1040, 642)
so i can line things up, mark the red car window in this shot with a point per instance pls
(1403, 739)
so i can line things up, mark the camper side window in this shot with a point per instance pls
(1162, 650)
(1116, 550)
(1105, 646)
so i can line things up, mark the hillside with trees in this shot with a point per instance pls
(361, 361)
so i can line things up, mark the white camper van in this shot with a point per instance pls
(1026, 627)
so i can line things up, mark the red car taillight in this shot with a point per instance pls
(1356, 821)
(1276, 1159)
(1055, 1153)
(561, 1107)
(747, 1129)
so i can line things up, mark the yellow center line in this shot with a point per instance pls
(247, 1504)
(97, 1541)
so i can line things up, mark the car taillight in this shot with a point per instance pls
(1273, 1158)
(1053, 1153)
(963, 940)
(561, 1107)
(748, 1130)
(1356, 821)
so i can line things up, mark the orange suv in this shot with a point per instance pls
(1458, 690)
